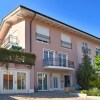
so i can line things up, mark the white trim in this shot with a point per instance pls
(13, 71)
(45, 49)
(58, 67)
(59, 82)
(48, 82)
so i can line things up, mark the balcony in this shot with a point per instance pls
(9, 41)
(66, 44)
(86, 50)
(59, 64)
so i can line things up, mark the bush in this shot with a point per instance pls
(94, 92)
(84, 92)
(91, 92)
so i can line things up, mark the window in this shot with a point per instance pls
(97, 51)
(63, 60)
(42, 34)
(66, 41)
(7, 82)
(85, 48)
(21, 80)
(42, 81)
(48, 57)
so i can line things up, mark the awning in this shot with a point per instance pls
(15, 47)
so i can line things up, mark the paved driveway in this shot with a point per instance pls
(55, 95)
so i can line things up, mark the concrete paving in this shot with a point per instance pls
(54, 95)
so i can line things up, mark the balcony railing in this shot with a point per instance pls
(58, 62)
(66, 44)
(43, 38)
(10, 40)
(86, 50)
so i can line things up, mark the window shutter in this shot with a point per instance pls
(65, 38)
(42, 30)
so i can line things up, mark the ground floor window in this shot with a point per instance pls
(21, 80)
(42, 81)
(7, 81)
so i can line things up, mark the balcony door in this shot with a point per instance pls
(63, 60)
(48, 57)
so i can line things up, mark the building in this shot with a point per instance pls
(58, 47)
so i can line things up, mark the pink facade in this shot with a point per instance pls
(48, 77)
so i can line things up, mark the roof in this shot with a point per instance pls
(62, 23)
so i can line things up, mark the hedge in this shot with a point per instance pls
(18, 57)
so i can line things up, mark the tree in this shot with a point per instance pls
(84, 72)
(95, 78)
(97, 62)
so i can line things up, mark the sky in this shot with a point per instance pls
(81, 14)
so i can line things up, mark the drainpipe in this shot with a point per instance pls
(31, 32)
(31, 42)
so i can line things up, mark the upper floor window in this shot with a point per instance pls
(85, 48)
(42, 34)
(66, 41)
(97, 51)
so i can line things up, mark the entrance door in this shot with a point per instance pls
(8, 81)
(56, 81)
(42, 81)
(66, 80)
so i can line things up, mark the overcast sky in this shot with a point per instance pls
(82, 14)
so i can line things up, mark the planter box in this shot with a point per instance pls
(69, 89)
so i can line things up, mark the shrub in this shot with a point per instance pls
(84, 92)
(94, 92)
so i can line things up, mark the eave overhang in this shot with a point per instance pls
(21, 12)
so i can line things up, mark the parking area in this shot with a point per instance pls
(54, 95)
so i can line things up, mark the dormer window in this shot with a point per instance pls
(42, 34)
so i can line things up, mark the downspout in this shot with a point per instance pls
(31, 32)
(31, 42)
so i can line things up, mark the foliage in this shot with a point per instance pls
(84, 72)
(93, 92)
(18, 57)
(83, 91)
(95, 77)
(97, 63)
(95, 80)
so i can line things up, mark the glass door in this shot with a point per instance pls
(42, 81)
(55, 82)
(21, 81)
(48, 57)
(63, 60)
(7, 82)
